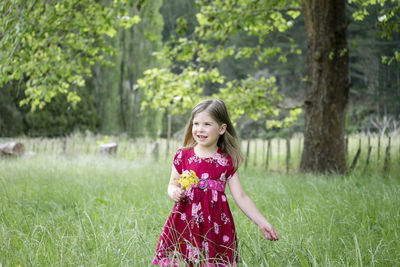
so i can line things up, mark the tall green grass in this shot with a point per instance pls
(70, 210)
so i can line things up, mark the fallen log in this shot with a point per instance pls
(12, 148)
(109, 148)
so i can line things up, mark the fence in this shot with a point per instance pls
(363, 153)
(281, 155)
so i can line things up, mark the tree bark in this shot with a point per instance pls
(327, 89)
(122, 95)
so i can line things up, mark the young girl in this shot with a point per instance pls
(200, 230)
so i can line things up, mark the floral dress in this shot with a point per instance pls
(200, 230)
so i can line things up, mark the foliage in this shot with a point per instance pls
(178, 16)
(234, 50)
(105, 97)
(374, 91)
(51, 46)
(271, 33)
(118, 100)
(387, 22)
(193, 61)
(59, 118)
(176, 91)
(11, 121)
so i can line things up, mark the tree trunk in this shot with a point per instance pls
(122, 95)
(327, 88)
(109, 149)
(12, 148)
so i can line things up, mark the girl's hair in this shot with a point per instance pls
(227, 142)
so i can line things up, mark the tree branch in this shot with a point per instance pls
(289, 8)
(289, 108)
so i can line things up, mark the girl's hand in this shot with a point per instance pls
(268, 231)
(176, 193)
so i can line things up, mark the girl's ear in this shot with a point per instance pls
(222, 129)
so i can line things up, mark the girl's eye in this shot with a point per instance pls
(195, 123)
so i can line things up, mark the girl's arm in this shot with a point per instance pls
(175, 192)
(249, 208)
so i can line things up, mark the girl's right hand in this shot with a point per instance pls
(268, 231)
(176, 193)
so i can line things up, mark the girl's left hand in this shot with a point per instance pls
(268, 231)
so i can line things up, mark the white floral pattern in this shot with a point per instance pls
(190, 194)
(214, 195)
(225, 238)
(204, 245)
(186, 172)
(225, 218)
(183, 216)
(205, 175)
(178, 158)
(222, 178)
(192, 252)
(223, 161)
(216, 228)
(197, 214)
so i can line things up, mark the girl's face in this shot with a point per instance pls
(206, 131)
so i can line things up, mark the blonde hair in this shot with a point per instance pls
(227, 142)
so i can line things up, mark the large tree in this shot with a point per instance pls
(327, 89)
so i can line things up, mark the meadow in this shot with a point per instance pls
(62, 208)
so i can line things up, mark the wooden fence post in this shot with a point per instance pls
(354, 163)
(279, 152)
(367, 160)
(247, 153)
(64, 149)
(45, 145)
(263, 152)
(268, 154)
(287, 154)
(255, 152)
(167, 148)
(387, 159)
(155, 151)
(299, 148)
(368, 154)
(379, 148)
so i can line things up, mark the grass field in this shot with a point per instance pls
(89, 210)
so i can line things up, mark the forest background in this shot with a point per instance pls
(75, 72)
(111, 104)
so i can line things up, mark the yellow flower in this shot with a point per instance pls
(187, 180)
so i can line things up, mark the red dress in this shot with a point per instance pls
(200, 230)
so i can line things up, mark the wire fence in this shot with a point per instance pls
(364, 152)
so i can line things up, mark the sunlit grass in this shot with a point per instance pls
(91, 210)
